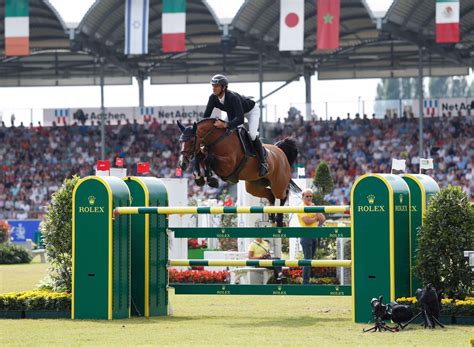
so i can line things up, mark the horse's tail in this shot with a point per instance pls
(288, 146)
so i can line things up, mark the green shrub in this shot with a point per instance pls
(13, 254)
(57, 236)
(447, 231)
(35, 300)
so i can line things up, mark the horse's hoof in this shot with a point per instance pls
(212, 182)
(200, 181)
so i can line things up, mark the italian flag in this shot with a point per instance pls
(174, 26)
(447, 21)
(17, 28)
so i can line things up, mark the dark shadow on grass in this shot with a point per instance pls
(290, 322)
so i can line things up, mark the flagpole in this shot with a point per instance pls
(420, 100)
(102, 111)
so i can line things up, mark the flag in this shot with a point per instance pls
(178, 172)
(301, 171)
(103, 165)
(447, 21)
(328, 24)
(17, 28)
(398, 164)
(119, 162)
(291, 25)
(136, 26)
(173, 26)
(143, 167)
(426, 164)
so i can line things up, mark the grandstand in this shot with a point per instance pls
(35, 161)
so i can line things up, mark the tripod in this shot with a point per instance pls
(380, 325)
(429, 321)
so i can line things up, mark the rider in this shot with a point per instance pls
(237, 107)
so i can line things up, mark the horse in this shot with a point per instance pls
(222, 150)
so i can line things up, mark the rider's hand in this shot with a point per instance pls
(220, 124)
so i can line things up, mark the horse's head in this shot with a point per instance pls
(188, 144)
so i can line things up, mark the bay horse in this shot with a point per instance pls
(223, 151)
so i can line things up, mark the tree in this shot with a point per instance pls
(56, 230)
(323, 183)
(447, 231)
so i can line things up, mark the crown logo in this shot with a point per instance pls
(337, 289)
(91, 200)
(401, 198)
(223, 287)
(279, 288)
(371, 199)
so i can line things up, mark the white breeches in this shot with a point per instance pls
(253, 118)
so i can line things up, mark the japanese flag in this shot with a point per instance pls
(291, 25)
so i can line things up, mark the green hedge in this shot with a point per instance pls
(40, 300)
(13, 254)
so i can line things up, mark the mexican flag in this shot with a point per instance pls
(328, 24)
(17, 28)
(447, 21)
(173, 26)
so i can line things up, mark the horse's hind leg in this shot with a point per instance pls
(279, 216)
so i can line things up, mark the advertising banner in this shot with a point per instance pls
(23, 229)
(90, 115)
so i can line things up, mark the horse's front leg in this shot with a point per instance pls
(197, 172)
(211, 180)
(279, 216)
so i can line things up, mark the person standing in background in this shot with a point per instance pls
(309, 244)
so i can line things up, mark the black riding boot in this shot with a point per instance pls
(263, 170)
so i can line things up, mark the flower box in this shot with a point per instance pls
(47, 314)
(12, 314)
(35, 314)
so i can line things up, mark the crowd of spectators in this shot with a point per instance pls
(35, 160)
(354, 146)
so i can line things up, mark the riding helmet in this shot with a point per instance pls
(220, 79)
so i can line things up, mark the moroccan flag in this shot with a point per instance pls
(291, 25)
(173, 26)
(328, 24)
(17, 28)
(447, 21)
(136, 26)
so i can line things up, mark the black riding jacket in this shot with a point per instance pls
(235, 105)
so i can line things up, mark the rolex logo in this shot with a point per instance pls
(91, 200)
(371, 199)
(401, 198)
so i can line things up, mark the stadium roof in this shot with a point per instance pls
(52, 63)
(414, 22)
(387, 48)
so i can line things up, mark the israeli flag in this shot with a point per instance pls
(136, 26)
